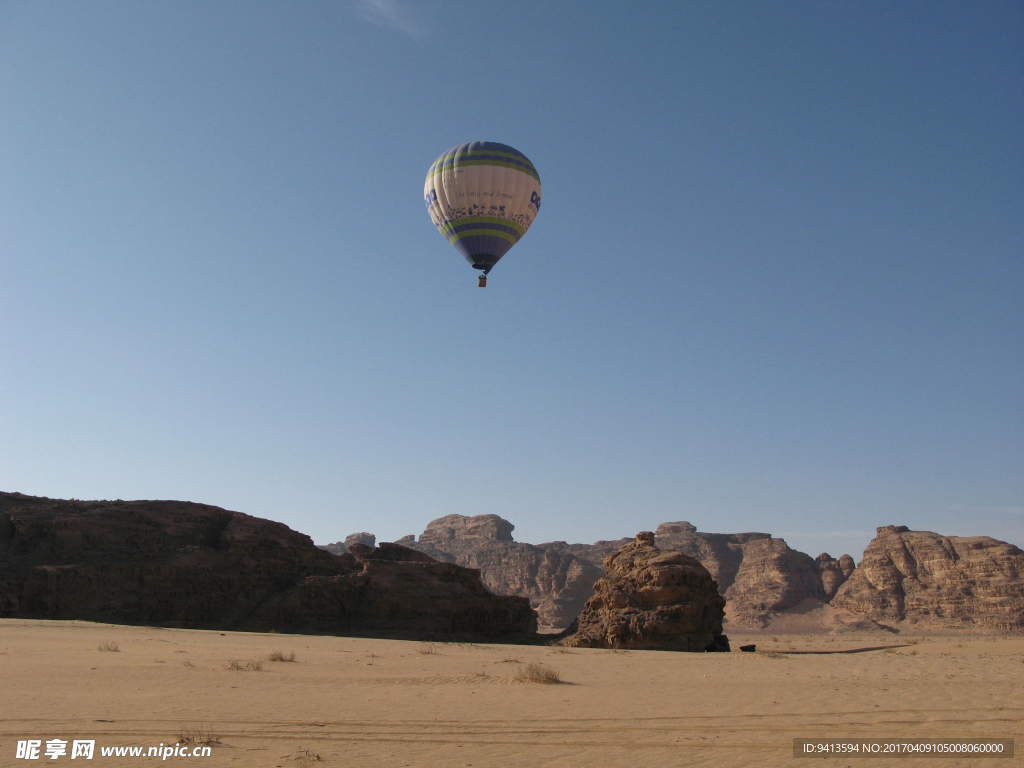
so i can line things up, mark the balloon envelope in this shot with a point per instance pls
(482, 197)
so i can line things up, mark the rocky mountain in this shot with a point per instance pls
(169, 563)
(926, 579)
(833, 572)
(341, 547)
(651, 599)
(557, 584)
(756, 573)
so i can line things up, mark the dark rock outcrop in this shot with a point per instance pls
(168, 563)
(924, 578)
(651, 599)
(557, 584)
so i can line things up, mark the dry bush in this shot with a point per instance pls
(428, 649)
(187, 663)
(306, 758)
(198, 734)
(281, 656)
(109, 645)
(250, 666)
(538, 673)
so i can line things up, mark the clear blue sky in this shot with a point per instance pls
(776, 284)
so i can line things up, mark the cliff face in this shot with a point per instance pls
(931, 580)
(833, 572)
(557, 584)
(168, 563)
(755, 573)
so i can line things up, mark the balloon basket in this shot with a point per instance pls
(482, 282)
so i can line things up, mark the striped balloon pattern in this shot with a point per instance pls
(482, 197)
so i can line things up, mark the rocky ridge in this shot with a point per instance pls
(757, 574)
(169, 563)
(925, 579)
(557, 584)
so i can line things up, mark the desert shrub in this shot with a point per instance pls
(281, 656)
(306, 758)
(538, 673)
(250, 666)
(109, 645)
(198, 734)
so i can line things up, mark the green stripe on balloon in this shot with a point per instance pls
(452, 238)
(435, 170)
(482, 220)
(488, 154)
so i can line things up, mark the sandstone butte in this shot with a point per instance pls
(651, 599)
(178, 564)
(556, 583)
(757, 574)
(911, 580)
(924, 579)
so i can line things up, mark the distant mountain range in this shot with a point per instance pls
(906, 578)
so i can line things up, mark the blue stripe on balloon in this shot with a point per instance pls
(482, 249)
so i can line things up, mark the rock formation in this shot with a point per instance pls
(364, 538)
(557, 584)
(168, 563)
(756, 573)
(367, 540)
(833, 572)
(651, 599)
(926, 579)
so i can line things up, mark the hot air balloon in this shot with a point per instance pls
(482, 197)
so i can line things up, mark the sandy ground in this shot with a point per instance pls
(357, 702)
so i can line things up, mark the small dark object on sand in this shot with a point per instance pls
(748, 648)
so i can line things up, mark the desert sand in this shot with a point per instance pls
(363, 702)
